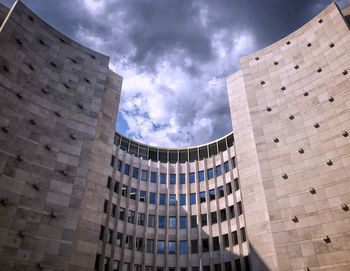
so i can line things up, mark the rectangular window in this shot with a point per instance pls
(214, 218)
(192, 177)
(153, 177)
(238, 265)
(122, 214)
(105, 206)
(221, 191)
(212, 194)
(193, 221)
(192, 198)
(112, 161)
(125, 190)
(133, 192)
(202, 196)
(126, 267)
(246, 263)
(218, 171)
(162, 199)
(234, 162)
(172, 221)
(120, 163)
(114, 209)
(161, 222)
(119, 239)
(229, 188)
(236, 184)
(135, 172)
(102, 232)
(234, 238)
(228, 266)
(182, 199)
(183, 247)
(223, 215)
(106, 263)
(227, 167)
(152, 198)
(97, 261)
(216, 243)
(182, 178)
(210, 173)
(129, 241)
(172, 247)
(201, 175)
(225, 240)
(116, 187)
(141, 219)
(205, 245)
(151, 221)
(144, 175)
(194, 246)
(139, 243)
(232, 211)
(217, 267)
(243, 236)
(142, 196)
(150, 245)
(127, 169)
(131, 217)
(137, 267)
(206, 268)
(204, 220)
(149, 268)
(240, 208)
(109, 182)
(160, 248)
(172, 178)
(162, 178)
(183, 222)
(172, 199)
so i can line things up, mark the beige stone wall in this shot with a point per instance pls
(286, 89)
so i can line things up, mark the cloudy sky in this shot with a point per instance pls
(174, 55)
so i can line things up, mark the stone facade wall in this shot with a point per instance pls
(3, 12)
(296, 94)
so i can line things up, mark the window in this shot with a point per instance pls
(115, 265)
(137, 267)
(133, 192)
(240, 209)
(228, 266)
(234, 238)
(127, 169)
(223, 215)
(112, 160)
(106, 263)
(144, 175)
(194, 246)
(149, 268)
(182, 178)
(152, 198)
(135, 172)
(212, 194)
(183, 247)
(172, 179)
(142, 196)
(243, 236)
(217, 267)
(227, 167)
(116, 187)
(150, 245)
(126, 267)
(193, 221)
(216, 243)
(201, 175)
(183, 222)
(162, 178)
(120, 165)
(172, 221)
(160, 248)
(225, 240)
(105, 206)
(125, 190)
(161, 222)
(172, 199)
(214, 218)
(234, 162)
(129, 241)
(153, 177)
(192, 198)
(114, 208)
(202, 196)
(236, 184)
(221, 191)
(102, 232)
(206, 268)
(246, 263)
(141, 219)
(192, 177)
(162, 199)
(97, 261)
(218, 171)
(172, 247)
(182, 199)
(205, 245)
(131, 217)
(204, 220)
(238, 265)
(122, 214)
(119, 239)
(151, 221)
(109, 182)
(139, 243)
(210, 174)
(229, 188)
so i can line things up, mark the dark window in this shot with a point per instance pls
(172, 199)
(205, 244)
(106, 263)
(150, 245)
(246, 263)
(109, 182)
(135, 172)
(153, 177)
(232, 211)
(172, 179)
(234, 162)
(201, 175)
(131, 217)
(105, 206)
(127, 169)
(97, 261)
(152, 198)
(221, 191)
(183, 222)
(114, 208)
(192, 198)
(112, 161)
(194, 246)
(236, 184)
(102, 232)
(238, 265)
(141, 219)
(234, 238)
(144, 175)
(228, 266)
(212, 194)
(160, 248)
(139, 243)
(172, 221)
(216, 243)
(120, 165)
(225, 240)
(162, 199)
(116, 187)
(124, 190)
(227, 167)
(192, 177)
(161, 222)
(133, 192)
(217, 267)
(162, 178)
(214, 218)
(129, 241)
(151, 221)
(142, 196)
(193, 221)
(172, 247)
(202, 196)
(243, 236)
(182, 178)
(122, 214)
(218, 171)
(183, 247)
(223, 215)
(119, 239)
(204, 219)
(240, 209)
(182, 199)
(229, 188)
(210, 173)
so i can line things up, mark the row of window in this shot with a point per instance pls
(128, 267)
(135, 173)
(141, 195)
(138, 243)
(172, 220)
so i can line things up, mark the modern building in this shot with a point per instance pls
(76, 195)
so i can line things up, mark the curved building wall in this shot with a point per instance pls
(290, 112)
